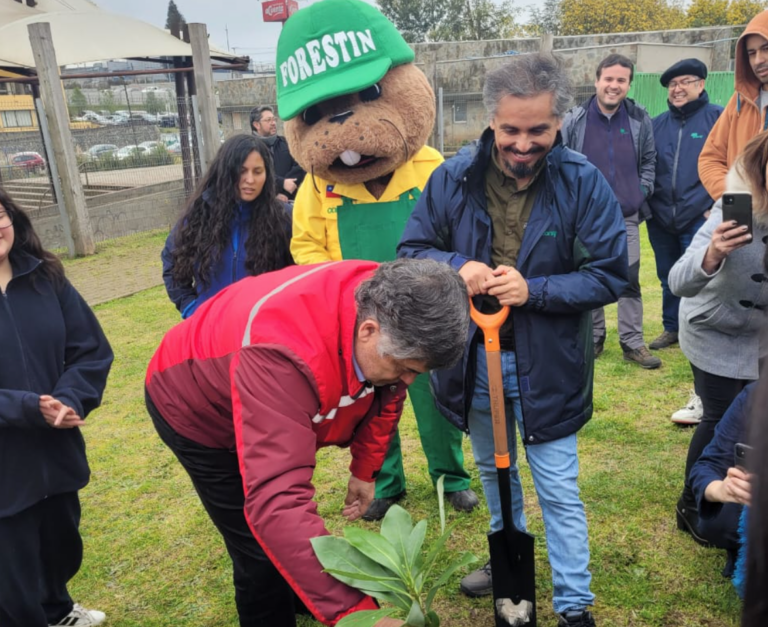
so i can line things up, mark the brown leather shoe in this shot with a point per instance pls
(665, 340)
(643, 358)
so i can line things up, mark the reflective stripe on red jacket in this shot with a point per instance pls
(265, 367)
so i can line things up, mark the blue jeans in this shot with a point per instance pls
(555, 469)
(668, 248)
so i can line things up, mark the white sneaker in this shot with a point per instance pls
(80, 617)
(690, 414)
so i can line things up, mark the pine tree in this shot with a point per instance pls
(174, 16)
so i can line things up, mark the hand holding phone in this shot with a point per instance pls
(737, 207)
(741, 455)
(732, 233)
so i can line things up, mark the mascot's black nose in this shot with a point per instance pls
(341, 117)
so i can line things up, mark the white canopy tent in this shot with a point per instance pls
(82, 32)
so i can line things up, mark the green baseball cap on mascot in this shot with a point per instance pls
(332, 48)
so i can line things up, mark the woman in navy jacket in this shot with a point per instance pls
(233, 227)
(54, 362)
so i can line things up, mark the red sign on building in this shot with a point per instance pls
(278, 10)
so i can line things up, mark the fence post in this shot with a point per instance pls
(61, 137)
(209, 123)
(55, 180)
(547, 42)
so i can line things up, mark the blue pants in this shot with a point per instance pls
(555, 469)
(668, 248)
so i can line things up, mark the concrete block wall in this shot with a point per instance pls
(128, 215)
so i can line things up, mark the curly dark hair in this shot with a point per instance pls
(203, 230)
(26, 240)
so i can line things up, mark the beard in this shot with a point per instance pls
(521, 170)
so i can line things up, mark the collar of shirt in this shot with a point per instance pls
(596, 108)
(358, 373)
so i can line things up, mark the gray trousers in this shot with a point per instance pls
(630, 301)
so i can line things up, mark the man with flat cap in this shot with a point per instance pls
(679, 201)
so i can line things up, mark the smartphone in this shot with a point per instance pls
(738, 206)
(741, 455)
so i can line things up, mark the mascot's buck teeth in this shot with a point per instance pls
(350, 157)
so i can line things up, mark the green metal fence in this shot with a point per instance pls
(647, 91)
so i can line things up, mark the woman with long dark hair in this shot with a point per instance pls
(54, 362)
(233, 226)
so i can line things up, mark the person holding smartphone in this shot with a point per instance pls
(721, 482)
(720, 280)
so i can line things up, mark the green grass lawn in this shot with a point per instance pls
(153, 559)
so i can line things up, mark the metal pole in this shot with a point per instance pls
(440, 122)
(130, 114)
(54, 175)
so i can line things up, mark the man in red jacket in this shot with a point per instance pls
(274, 367)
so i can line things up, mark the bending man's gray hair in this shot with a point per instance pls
(526, 76)
(422, 308)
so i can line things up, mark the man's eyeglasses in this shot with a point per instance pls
(6, 220)
(685, 83)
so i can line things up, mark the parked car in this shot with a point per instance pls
(30, 161)
(169, 120)
(90, 116)
(151, 145)
(115, 120)
(174, 148)
(100, 151)
(131, 151)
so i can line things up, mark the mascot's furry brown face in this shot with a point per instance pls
(367, 135)
(356, 106)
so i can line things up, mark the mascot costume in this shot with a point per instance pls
(358, 114)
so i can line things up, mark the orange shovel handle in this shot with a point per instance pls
(490, 324)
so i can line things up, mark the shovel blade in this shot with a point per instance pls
(514, 578)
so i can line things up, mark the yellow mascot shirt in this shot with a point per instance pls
(315, 232)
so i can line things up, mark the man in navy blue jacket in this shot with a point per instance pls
(530, 224)
(679, 202)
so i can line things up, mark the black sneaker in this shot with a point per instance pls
(576, 618)
(665, 340)
(379, 507)
(599, 348)
(478, 583)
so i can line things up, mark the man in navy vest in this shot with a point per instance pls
(616, 135)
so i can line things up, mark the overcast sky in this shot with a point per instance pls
(248, 34)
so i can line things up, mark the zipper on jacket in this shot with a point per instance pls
(235, 243)
(675, 164)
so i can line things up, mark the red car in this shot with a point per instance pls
(31, 161)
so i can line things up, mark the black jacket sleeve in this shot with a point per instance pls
(87, 356)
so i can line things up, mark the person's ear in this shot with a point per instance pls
(368, 330)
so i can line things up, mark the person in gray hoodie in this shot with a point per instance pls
(724, 292)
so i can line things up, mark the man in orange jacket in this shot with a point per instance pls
(744, 116)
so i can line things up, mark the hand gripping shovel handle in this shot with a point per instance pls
(512, 550)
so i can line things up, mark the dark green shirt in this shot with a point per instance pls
(509, 209)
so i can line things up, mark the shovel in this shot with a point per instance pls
(512, 566)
